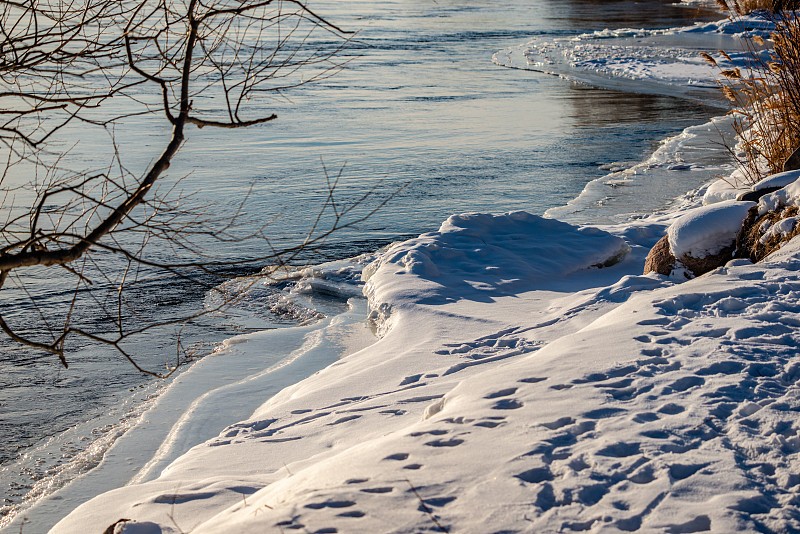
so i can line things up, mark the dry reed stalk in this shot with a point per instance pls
(766, 96)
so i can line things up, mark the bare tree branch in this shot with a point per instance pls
(69, 67)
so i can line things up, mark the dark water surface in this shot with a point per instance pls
(421, 104)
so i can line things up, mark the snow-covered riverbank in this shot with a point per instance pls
(526, 378)
(507, 395)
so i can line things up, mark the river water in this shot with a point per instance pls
(420, 105)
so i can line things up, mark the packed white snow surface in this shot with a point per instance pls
(707, 230)
(508, 396)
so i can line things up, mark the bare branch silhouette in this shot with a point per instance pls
(71, 67)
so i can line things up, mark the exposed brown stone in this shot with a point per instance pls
(698, 266)
(660, 258)
(112, 528)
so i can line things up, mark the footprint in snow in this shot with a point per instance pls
(330, 504)
(502, 393)
(445, 442)
(507, 404)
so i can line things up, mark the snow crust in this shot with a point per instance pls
(707, 230)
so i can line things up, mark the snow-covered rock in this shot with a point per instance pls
(701, 240)
(707, 230)
(769, 184)
(779, 180)
(775, 221)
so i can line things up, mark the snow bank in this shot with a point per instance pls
(476, 256)
(603, 401)
(517, 389)
(707, 230)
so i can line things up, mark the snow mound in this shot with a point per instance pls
(474, 256)
(726, 189)
(707, 230)
(787, 196)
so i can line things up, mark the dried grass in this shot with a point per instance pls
(752, 244)
(765, 98)
(743, 7)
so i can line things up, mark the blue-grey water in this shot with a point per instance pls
(420, 105)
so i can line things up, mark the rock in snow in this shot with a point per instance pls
(701, 240)
(660, 259)
(705, 238)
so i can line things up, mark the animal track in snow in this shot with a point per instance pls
(344, 419)
(410, 379)
(507, 404)
(532, 380)
(558, 423)
(498, 346)
(536, 475)
(454, 442)
(330, 504)
(501, 393)
(438, 432)
(352, 513)
(382, 489)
